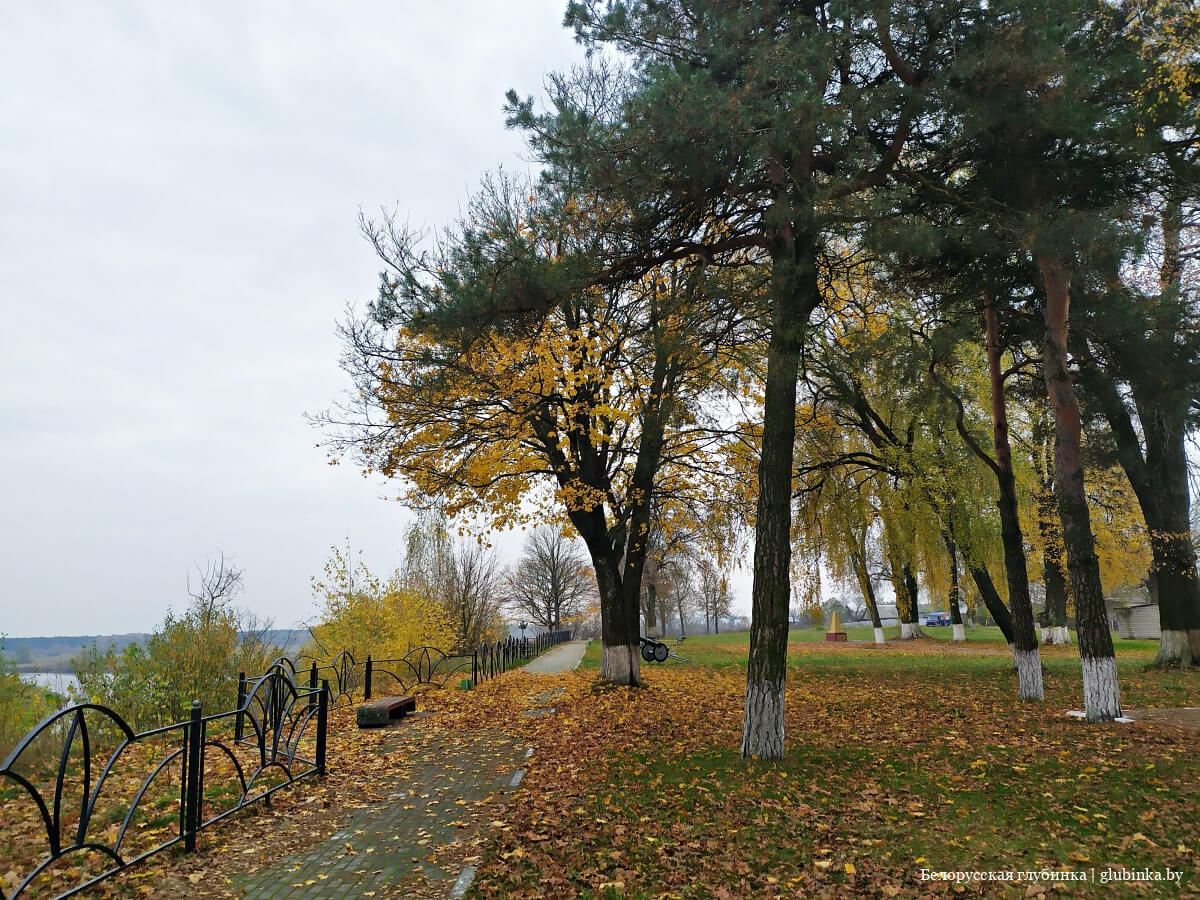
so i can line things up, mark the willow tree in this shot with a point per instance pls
(1000, 462)
(842, 506)
(497, 374)
(880, 422)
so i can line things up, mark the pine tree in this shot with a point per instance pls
(749, 132)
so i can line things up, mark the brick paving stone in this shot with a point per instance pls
(391, 848)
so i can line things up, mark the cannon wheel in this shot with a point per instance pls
(661, 651)
(648, 652)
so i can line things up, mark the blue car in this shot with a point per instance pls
(937, 618)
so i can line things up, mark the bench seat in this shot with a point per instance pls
(380, 712)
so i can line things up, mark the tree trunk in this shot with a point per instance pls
(991, 599)
(1173, 581)
(794, 294)
(907, 602)
(1054, 572)
(1101, 693)
(762, 728)
(868, 592)
(1159, 479)
(955, 613)
(651, 607)
(1024, 644)
(620, 661)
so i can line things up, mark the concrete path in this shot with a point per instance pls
(563, 658)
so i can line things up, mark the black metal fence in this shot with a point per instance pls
(97, 796)
(495, 659)
(87, 797)
(351, 680)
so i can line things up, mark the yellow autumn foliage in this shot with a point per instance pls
(365, 614)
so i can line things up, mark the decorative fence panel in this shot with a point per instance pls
(83, 797)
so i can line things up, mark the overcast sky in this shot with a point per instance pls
(179, 189)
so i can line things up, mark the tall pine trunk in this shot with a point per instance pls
(1101, 693)
(1160, 482)
(1174, 567)
(1025, 644)
(762, 727)
(794, 295)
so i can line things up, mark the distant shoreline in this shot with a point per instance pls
(53, 654)
(55, 669)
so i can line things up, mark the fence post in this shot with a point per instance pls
(474, 667)
(312, 685)
(191, 791)
(367, 679)
(322, 725)
(276, 704)
(238, 724)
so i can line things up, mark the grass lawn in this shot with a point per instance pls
(914, 755)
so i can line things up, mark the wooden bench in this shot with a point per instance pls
(380, 712)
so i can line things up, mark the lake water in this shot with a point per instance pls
(59, 682)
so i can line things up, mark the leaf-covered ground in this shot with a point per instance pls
(900, 758)
(909, 756)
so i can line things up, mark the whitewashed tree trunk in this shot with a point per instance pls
(1056, 634)
(1174, 648)
(762, 729)
(621, 664)
(909, 630)
(879, 638)
(1029, 674)
(1101, 695)
(960, 633)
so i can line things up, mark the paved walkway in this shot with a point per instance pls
(413, 844)
(391, 849)
(563, 658)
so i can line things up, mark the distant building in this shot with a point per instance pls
(1134, 617)
(888, 614)
(1132, 614)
